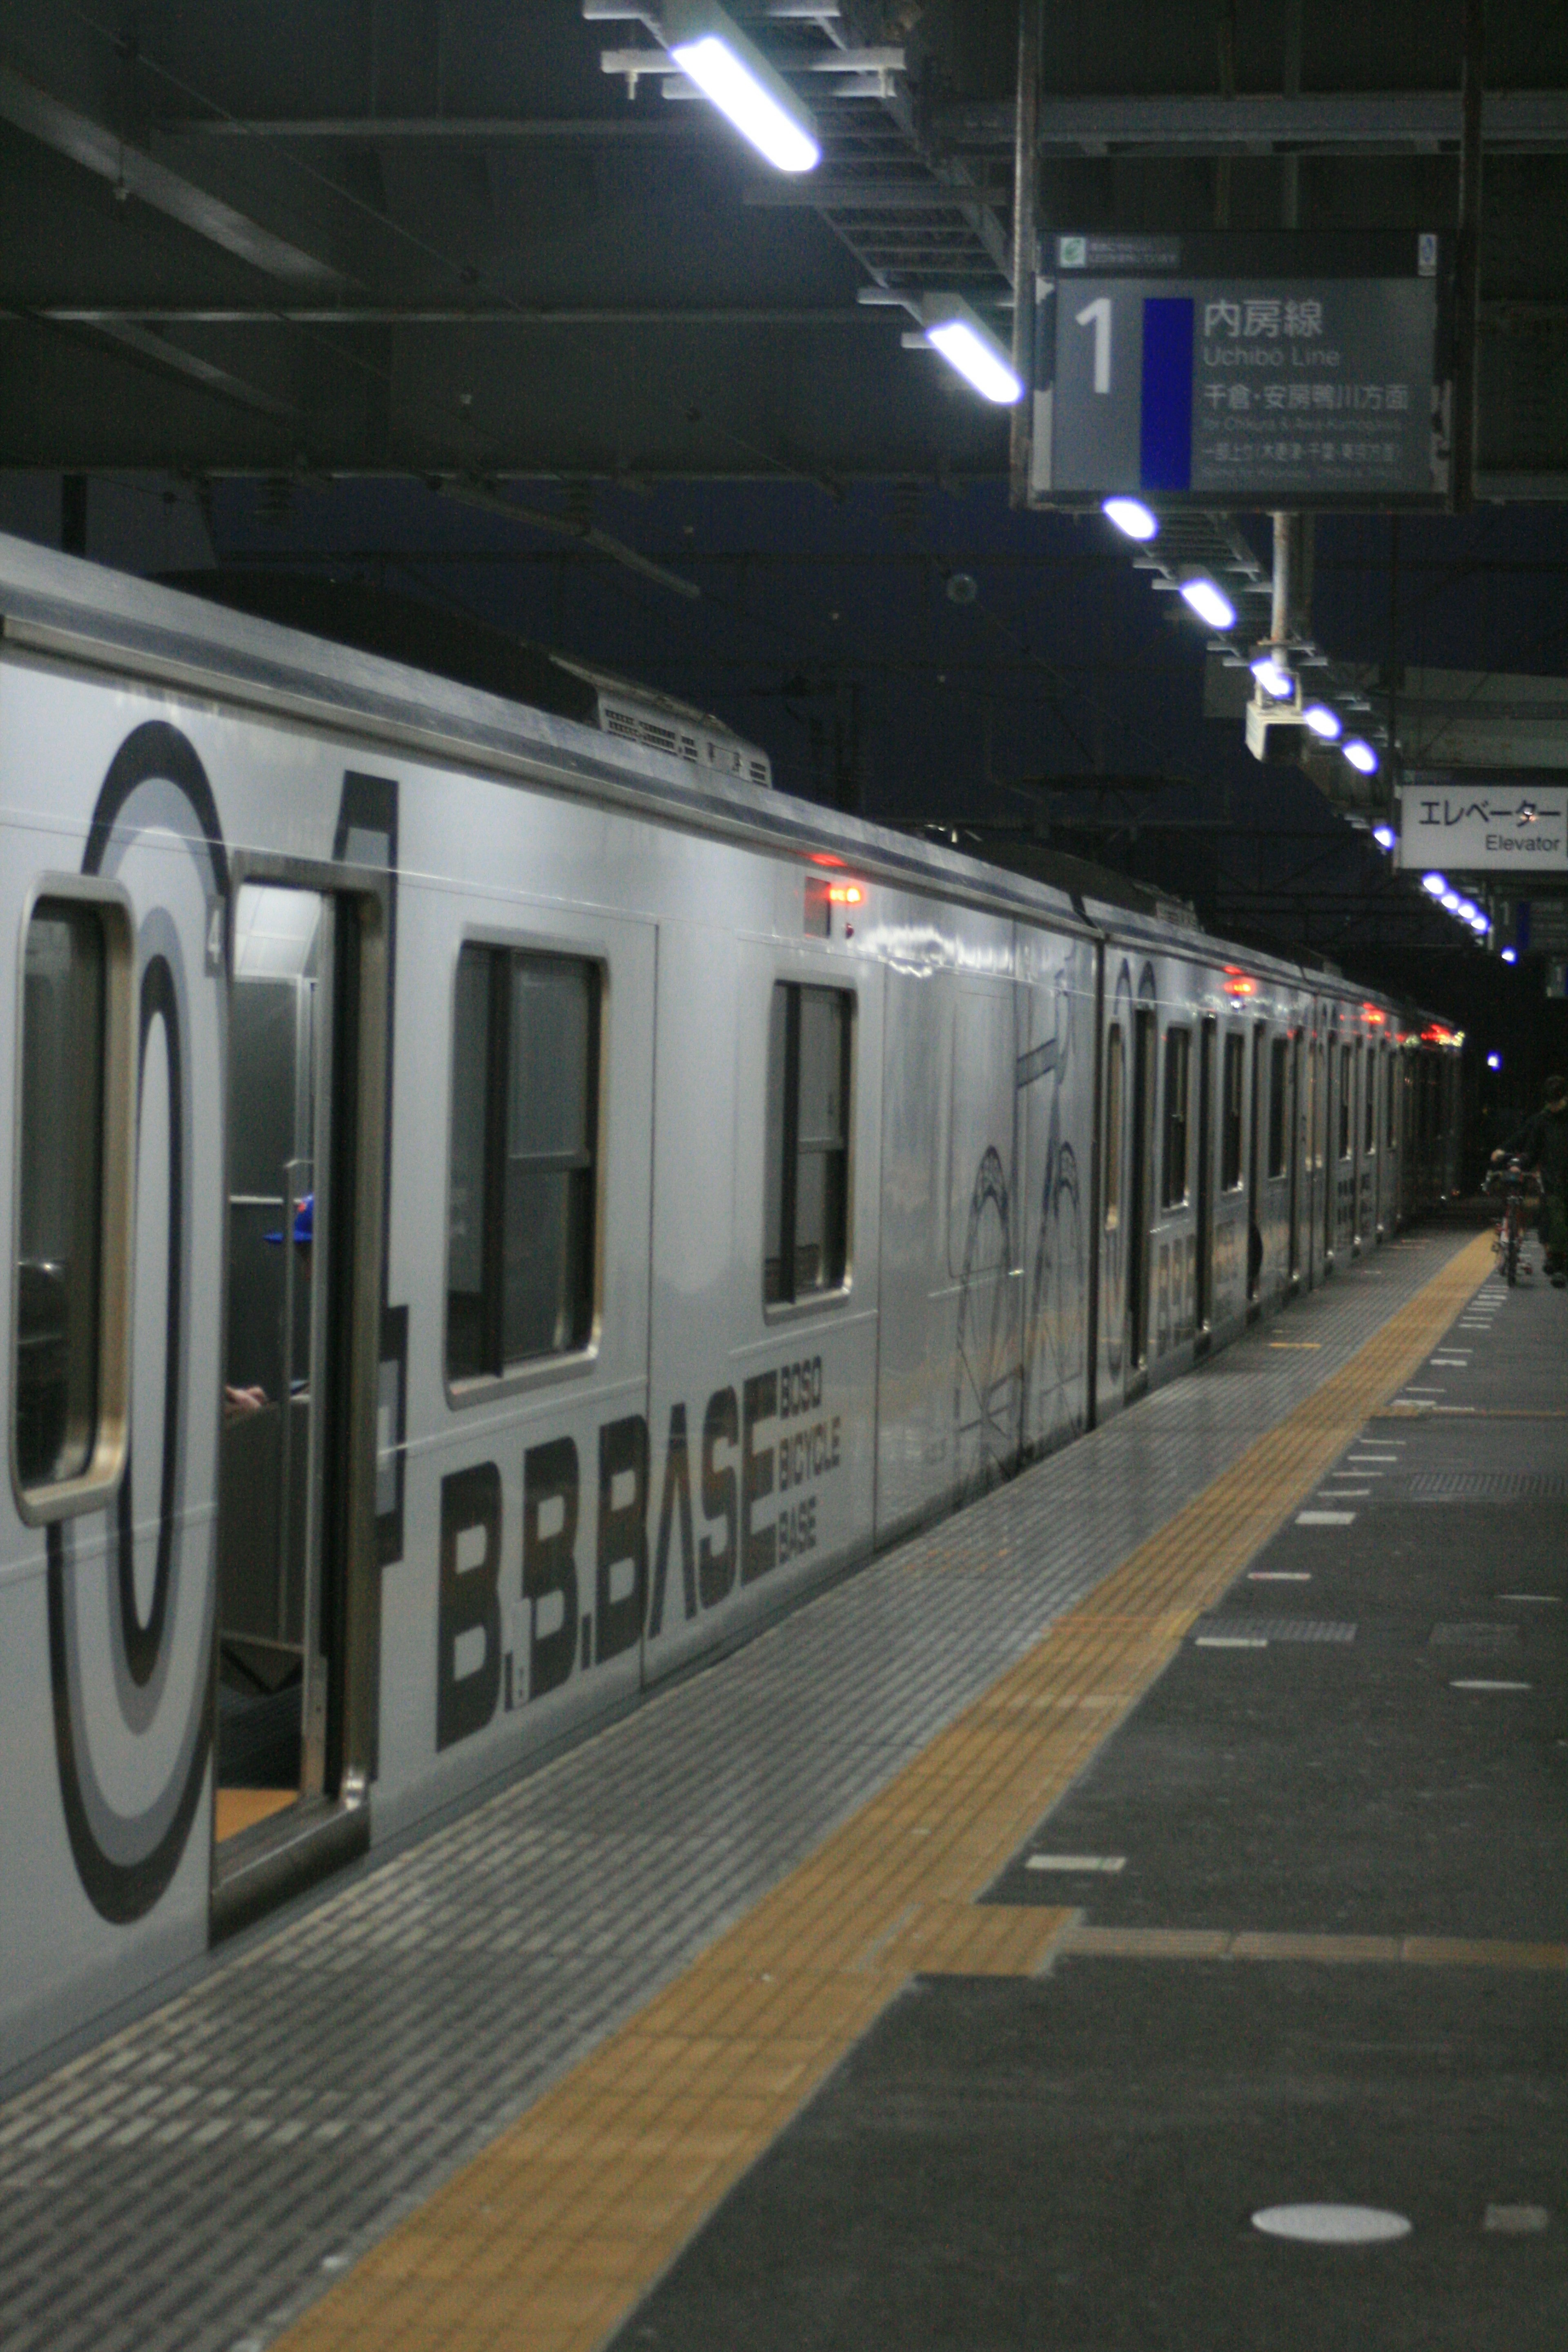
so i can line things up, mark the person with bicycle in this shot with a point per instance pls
(1542, 1143)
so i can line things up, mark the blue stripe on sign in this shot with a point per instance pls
(1166, 426)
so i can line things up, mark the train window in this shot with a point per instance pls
(1230, 1115)
(806, 1202)
(524, 1154)
(1178, 1053)
(1347, 1087)
(73, 1204)
(1277, 1082)
(1113, 1089)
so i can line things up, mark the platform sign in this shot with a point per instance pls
(1505, 823)
(1241, 371)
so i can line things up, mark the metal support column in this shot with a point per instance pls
(1026, 192)
(1467, 270)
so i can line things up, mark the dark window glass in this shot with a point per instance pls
(59, 1222)
(1231, 1115)
(1178, 1049)
(1113, 1092)
(523, 1176)
(1347, 1087)
(806, 1175)
(1276, 1084)
(1369, 1066)
(1390, 1097)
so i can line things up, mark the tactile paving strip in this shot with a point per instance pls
(282, 2113)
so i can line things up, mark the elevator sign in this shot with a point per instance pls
(1242, 370)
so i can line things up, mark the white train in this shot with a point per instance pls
(496, 1210)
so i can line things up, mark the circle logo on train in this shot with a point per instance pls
(131, 1593)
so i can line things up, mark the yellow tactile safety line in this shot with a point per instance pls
(545, 2240)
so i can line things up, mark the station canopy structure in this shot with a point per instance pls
(475, 239)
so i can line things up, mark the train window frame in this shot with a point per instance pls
(1178, 1049)
(1115, 1113)
(1233, 1114)
(779, 1150)
(523, 1373)
(44, 1502)
(1279, 1082)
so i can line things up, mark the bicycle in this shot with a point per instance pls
(1513, 1185)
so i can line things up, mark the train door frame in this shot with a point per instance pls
(1294, 1165)
(1326, 1161)
(1204, 1218)
(1145, 1046)
(1254, 1168)
(330, 1823)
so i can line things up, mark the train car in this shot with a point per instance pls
(500, 1204)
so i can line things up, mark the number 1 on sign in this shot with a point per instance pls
(1097, 314)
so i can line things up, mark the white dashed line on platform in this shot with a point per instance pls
(1477, 1685)
(1107, 1863)
(1295, 1576)
(1231, 1642)
(1325, 1518)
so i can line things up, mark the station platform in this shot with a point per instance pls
(1175, 1837)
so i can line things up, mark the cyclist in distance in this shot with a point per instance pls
(1542, 1143)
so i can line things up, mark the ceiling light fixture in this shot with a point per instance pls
(738, 80)
(1273, 676)
(1435, 883)
(1209, 602)
(967, 344)
(1511, 955)
(1384, 836)
(1361, 755)
(1131, 516)
(1323, 722)
(1450, 899)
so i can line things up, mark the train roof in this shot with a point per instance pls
(60, 606)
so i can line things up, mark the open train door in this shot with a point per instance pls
(296, 1538)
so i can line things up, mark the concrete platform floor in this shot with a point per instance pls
(750, 2022)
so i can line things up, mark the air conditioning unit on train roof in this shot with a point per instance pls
(640, 714)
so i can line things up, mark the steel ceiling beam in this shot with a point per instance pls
(1388, 122)
(100, 150)
(143, 343)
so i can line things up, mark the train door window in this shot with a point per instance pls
(1346, 1093)
(72, 1206)
(1390, 1097)
(805, 1199)
(1113, 1092)
(1174, 1173)
(1278, 1053)
(1231, 1119)
(1368, 1107)
(524, 1159)
(1144, 1050)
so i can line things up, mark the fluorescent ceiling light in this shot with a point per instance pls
(1361, 755)
(1321, 720)
(737, 77)
(967, 344)
(1511, 955)
(1450, 899)
(1494, 1061)
(1273, 676)
(1435, 883)
(1384, 836)
(1131, 516)
(1468, 909)
(1209, 602)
